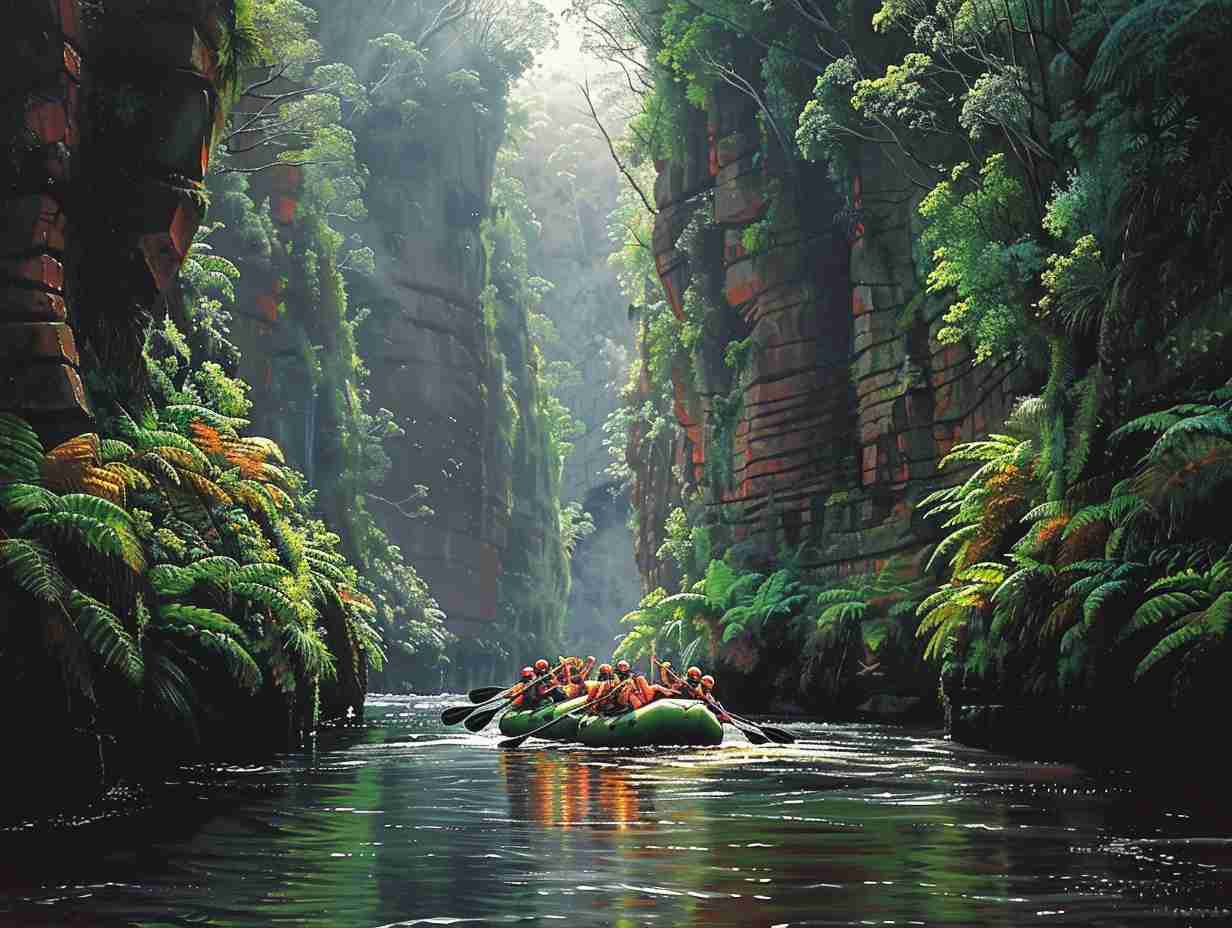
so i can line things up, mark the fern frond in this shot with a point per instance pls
(1161, 610)
(841, 613)
(171, 692)
(950, 544)
(114, 451)
(983, 572)
(187, 462)
(1098, 601)
(106, 637)
(34, 569)
(1053, 509)
(179, 418)
(114, 517)
(23, 499)
(939, 497)
(21, 451)
(131, 477)
(305, 644)
(1158, 422)
(278, 602)
(841, 595)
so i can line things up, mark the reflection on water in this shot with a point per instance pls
(403, 823)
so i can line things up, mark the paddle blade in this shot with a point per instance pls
(511, 744)
(454, 714)
(479, 720)
(484, 693)
(753, 735)
(778, 735)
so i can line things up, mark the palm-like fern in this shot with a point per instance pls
(1188, 613)
(240, 578)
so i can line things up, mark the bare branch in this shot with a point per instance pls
(585, 89)
(274, 164)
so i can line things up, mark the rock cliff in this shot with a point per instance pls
(458, 381)
(815, 406)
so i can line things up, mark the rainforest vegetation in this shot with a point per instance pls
(1064, 172)
(169, 574)
(360, 354)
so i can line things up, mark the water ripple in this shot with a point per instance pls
(400, 822)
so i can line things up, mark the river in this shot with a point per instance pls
(403, 822)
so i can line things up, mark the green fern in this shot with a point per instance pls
(106, 637)
(1209, 625)
(34, 569)
(21, 452)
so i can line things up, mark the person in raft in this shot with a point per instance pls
(707, 696)
(640, 692)
(695, 685)
(690, 687)
(603, 687)
(578, 685)
(534, 695)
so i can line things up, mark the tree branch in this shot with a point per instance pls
(594, 115)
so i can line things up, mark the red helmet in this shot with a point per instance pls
(708, 681)
(694, 673)
(623, 667)
(541, 666)
(527, 673)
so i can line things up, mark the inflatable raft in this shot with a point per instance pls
(519, 722)
(664, 721)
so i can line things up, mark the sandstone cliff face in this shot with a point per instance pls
(429, 356)
(845, 405)
(109, 129)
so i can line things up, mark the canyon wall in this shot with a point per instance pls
(110, 120)
(458, 379)
(829, 429)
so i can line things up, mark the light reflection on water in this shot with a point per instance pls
(405, 823)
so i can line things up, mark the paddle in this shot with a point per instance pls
(777, 735)
(454, 714)
(745, 727)
(483, 694)
(511, 743)
(479, 721)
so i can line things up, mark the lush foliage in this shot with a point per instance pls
(1121, 579)
(170, 552)
(1065, 173)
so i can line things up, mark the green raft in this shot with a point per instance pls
(663, 722)
(519, 722)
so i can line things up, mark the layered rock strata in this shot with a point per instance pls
(844, 403)
(115, 113)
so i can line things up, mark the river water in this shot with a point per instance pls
(406, 823)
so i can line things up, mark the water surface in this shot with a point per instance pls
(405, 823)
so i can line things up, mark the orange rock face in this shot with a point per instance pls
(66, 223)
(846, 401)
